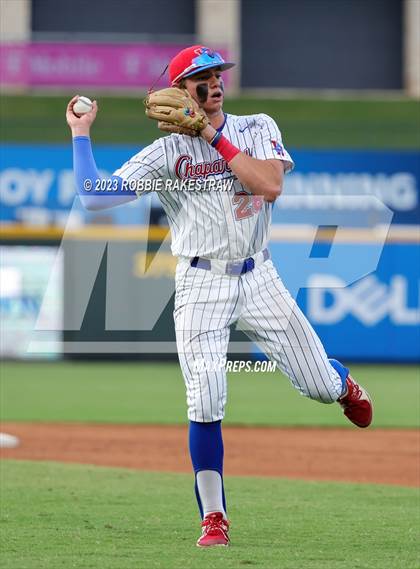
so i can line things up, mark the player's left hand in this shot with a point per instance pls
(176, 111)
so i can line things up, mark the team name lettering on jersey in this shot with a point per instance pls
(185, 168)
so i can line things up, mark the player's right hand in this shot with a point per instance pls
(80, 126)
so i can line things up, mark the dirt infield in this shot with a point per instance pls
(382, 456)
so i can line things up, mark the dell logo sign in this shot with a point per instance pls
(368, 300)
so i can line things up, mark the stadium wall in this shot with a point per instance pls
(345, 241)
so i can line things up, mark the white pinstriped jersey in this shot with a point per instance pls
(226, 225)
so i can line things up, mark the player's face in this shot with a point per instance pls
(207, 89)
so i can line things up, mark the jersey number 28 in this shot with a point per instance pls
(246, 205)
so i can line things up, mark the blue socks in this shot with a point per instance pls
(342, 371)
(206, 449)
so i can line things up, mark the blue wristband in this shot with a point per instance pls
(216, 139)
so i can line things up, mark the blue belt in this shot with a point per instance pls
(234, 268)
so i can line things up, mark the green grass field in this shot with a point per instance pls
(56, 516)
(305, 123)
(86, 517)
(154, 393)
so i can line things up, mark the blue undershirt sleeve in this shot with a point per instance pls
(96, 193)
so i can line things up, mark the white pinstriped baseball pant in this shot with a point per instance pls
(206, 304)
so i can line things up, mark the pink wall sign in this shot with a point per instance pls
(85, 65)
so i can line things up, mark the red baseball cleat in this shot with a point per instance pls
(357, 404)
(215, 530)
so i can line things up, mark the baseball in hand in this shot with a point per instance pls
(82, 106)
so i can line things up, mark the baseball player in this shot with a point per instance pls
(224, 273)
